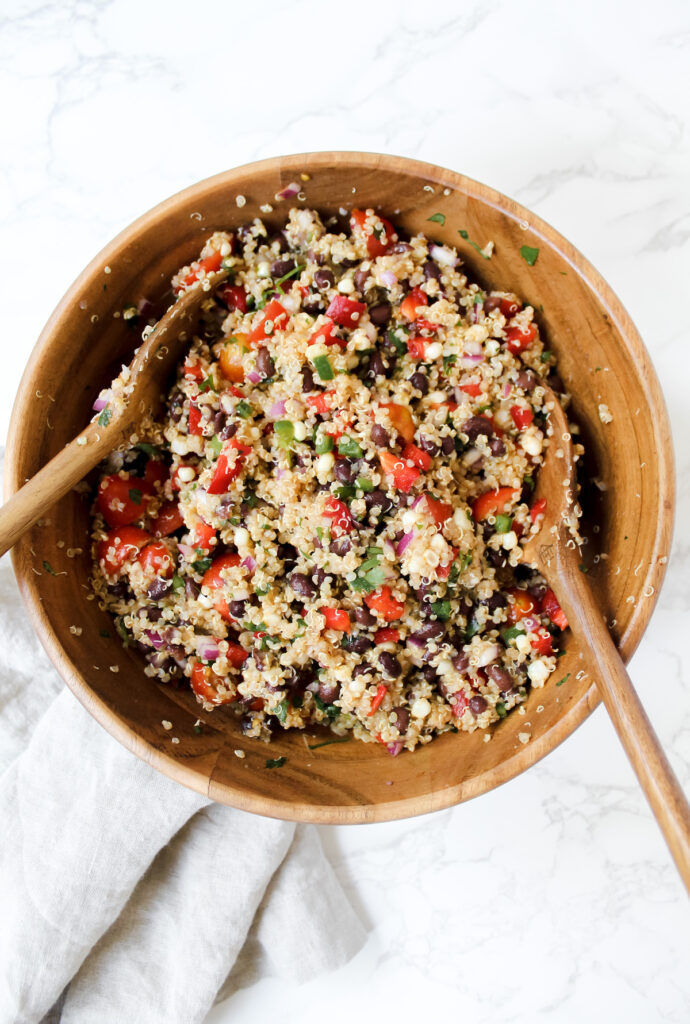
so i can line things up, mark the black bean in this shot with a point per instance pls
(323, 279)
(429, 631)
(264, 363)
(340, 546)
(500, 677)
(279, 239)
(237, 609)
(478, 704)
(495, 558)
(379, 499)
(297, 679)
(161, 660)
(477, 425)
(401, 719)
(228, 431)
(401, 247)
(456, 639)
(319, 577)
(288, 556)
(328, 692)
(348, 264)
(556, 384)
(362, 670)
(461, 662)
(307, 379)
(526, 380)
(380, 313)
(158, 589)
(358, 644)
(315, 257)
(176, 403)
(364, 617)
(447, 445)
(380, 436)
(246, 722)
(360, 279)
(491, 302)
(419, 382)
(430, 674)
(281, 267)
(427, 445)
(432, 269)
(537, 592)
(377, 367)
(219, 421)
(390, 664)
(120, 589)
(313, 304)
(496, 601)
(151, 612)
(302, 585)
(191, 589)
(344, 471)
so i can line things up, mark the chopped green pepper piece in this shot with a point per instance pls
(322, 365)
(285, 432)
(324, 443)
(349, 447)
(503, 523)
(244, 410)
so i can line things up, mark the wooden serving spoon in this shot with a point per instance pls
(554, 553)
(153, 363)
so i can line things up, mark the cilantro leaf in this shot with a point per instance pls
(529, 254)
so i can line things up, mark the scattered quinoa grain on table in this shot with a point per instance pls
(326, 524)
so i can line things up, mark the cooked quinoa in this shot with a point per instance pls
(326, 525)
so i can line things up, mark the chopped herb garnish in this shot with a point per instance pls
(397, 339)
(529, 254)
(281, 711)
(197, 728)
(135, 495)
(323, 444)
(48, 568)
(501, 709)
(349, 447)
(216, 445)
(438, 218)
(583, 568)
(201, 565)
(244, 410)
(327, 743)
(472, 629)
(105, 417)
(449, 361)
(177, 582)
(285, 432)
(345, 492)
(152, 450)
(290, 273)
(510, 634)
(261, 591)
(276, 762)
(464, 234)
(207, 384)
(368, 581)
(322, 365)
(546, 355)
(104, 633)
(441, 610)
(503, 523)
(563, 680)
(123, 632)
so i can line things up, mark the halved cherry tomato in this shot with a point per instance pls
(440, 511)
(274, 319)
(121, 546)
(344, 311)
(168, 520)
(231, 358)
(518, 339)
(458, 702)
(413, 299)
(384, 604)
(538, 509)
(156, 472)
(234, 296)
(522, 417)
(336, 618)
(194, 420)
(227, 468)
(376, 703)
(202, 684)
(156, 560)
(522, 604)
(206, 266)
(321, 403)
(471, 389)
(339, 513)
(237, 656)
(509, 307)
(401, 418)
(411, 453)
(402, 475)
(387, 635)
(121, 500)
(416, 347)
(378, 241)
(492, 502)
(213, 577)
(543, 642)
(205, 536)
(552, 608)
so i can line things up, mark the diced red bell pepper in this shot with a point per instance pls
(522, 604)
(228, 469)
(339, 513)
(440, 510)
(206, 266)
(275, 318)
(538, 509)
(426, 325)
(384, 604)
(492, 502)
(202, 683)
(344, 311)
(205, 536)
(518, 339)
(194, 420)
(376, 703)
(509, 307)
(168, 520)
(403, 476)
(443, 571)
(336, 618)
(213, 577)
(471, 389)
(552, 608)
(543, 642)
(156, 560)
(234, 297)
(193, 371)
(416, 347)
(411, 453)
(120, 546)
(522, 417)
(413, 299)
(326, 335)
(377, 243)
(237, 655)
(121, 500)
(458, 702)
(401, 418)
(321, 403)
(386, 635)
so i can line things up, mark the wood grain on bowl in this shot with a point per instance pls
(629, 510)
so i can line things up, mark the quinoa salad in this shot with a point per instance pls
(325, 526)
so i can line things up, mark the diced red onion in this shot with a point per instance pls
(254, 377)
(277, 410)
(155, 638)
(477, 309)
(446, 257)
(404, 542)
(388, 546)
(416, 641)
(394, 748)
(507, 388)
(488, 655)
(207, 648)
(289, 191)
(417, 501)
(280, 473)
(144, 307)
(389, 278)
(101, 402)
(249, 563)
(186, 549)
(468, 361)
(530, 623)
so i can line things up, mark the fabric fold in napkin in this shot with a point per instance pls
(134, 892)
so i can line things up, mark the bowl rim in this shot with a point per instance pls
(524, 757)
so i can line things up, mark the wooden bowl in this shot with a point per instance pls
(601, 359)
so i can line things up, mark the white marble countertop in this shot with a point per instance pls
(552, 898)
